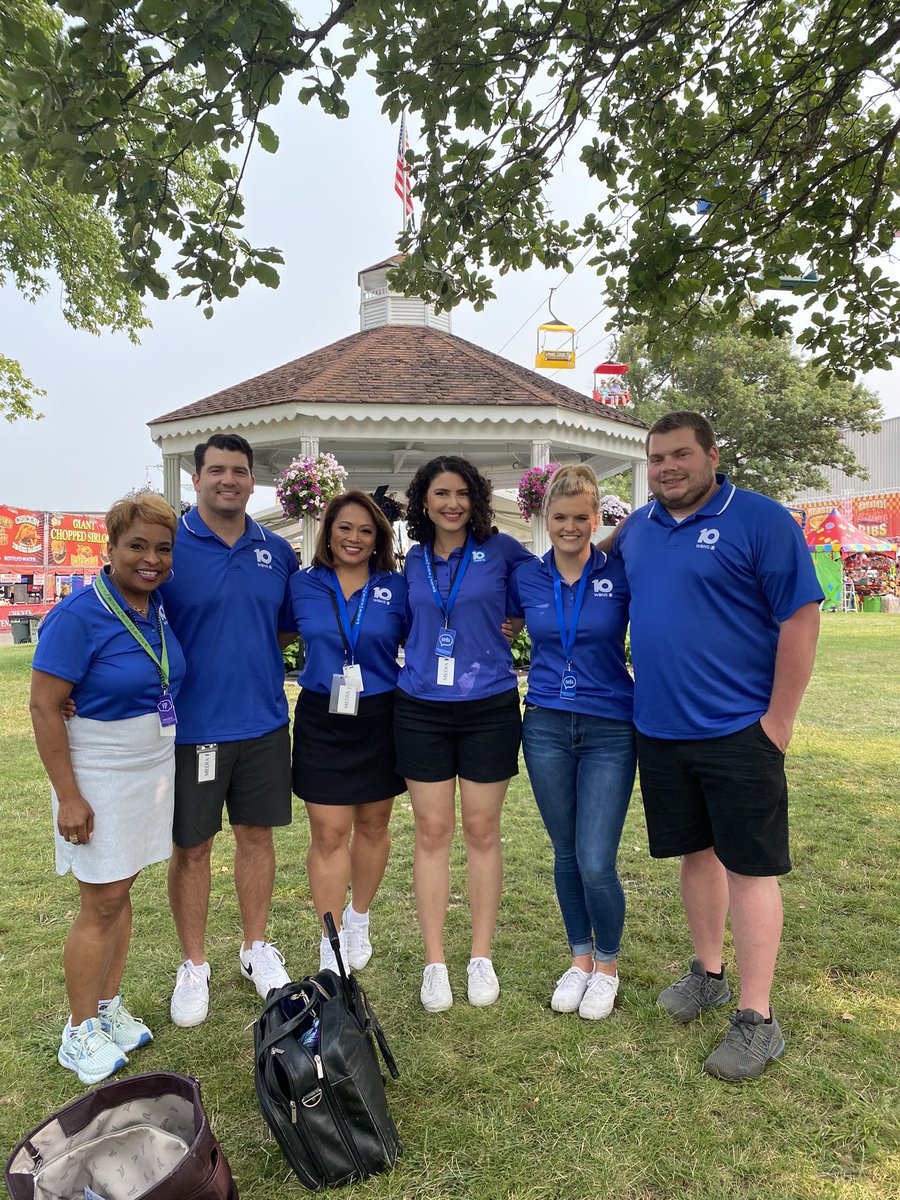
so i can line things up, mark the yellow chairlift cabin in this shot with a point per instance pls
(555, 343)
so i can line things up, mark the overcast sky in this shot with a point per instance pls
(327, 200)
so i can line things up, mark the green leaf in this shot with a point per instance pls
(268, 138)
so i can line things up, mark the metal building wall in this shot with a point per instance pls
(880, 455)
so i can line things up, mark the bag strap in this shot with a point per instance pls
(374, 1026)
(316, 994)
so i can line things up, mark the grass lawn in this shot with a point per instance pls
(514, 1101)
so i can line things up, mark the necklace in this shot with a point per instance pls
(141, 612)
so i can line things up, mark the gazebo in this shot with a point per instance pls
(400, 391)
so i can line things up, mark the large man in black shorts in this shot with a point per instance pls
(229, 605)
(724, 622)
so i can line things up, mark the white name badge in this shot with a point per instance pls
(445, 671)
(353, 676)
(206, 762)
(344, 700)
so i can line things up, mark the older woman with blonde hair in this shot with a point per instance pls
(108, 650)
(577, 734)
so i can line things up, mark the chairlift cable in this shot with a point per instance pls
(531, 316)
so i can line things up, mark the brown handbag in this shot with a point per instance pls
(144, 1137)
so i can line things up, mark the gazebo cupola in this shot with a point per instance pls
(379, 305)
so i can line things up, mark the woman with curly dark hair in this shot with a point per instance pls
(456, 714)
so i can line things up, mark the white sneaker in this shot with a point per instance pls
(263, 965)
(359, 948)
(600, 997)
(570, 989)
(436, 995)
(327, 959)
(89, 1052)
(484, 987)
(128, 1032)
(190, 999)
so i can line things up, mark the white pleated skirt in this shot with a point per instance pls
(126, 772)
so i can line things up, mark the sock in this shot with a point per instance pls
(716, 974)
(104, 1005)
(360, 920)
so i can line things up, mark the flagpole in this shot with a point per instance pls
(402, 181)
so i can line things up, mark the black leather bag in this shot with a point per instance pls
(318, 1079)
(144, 1137)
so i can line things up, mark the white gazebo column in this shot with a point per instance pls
(172, 480)
(309, 526)
(540, 543)
(639, 486)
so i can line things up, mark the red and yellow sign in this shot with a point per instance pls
(21, 538)
(77, 542)
(877, 514)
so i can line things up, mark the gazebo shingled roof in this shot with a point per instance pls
(399, 392)
(398, 365)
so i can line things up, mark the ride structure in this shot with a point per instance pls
(555, 343)
(610, 387)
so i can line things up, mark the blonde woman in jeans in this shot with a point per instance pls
(577, 736)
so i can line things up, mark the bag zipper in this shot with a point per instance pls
(310, 1146)
(338, 1117)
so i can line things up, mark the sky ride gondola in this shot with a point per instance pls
(610, 387)
(555, 343)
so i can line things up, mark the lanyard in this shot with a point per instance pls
(456, 581)
(101, 587)
(349, 630)
(567, 636)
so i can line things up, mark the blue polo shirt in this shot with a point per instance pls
(114, 678)
(381, 631)
(484, 664)
(226, 605)
(707, 597)
(605, 688)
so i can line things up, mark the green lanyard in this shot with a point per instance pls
(102, 588)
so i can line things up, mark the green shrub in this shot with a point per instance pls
(521, 650)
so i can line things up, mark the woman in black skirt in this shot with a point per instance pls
(350, 608)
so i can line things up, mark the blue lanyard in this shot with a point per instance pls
(567, 636)
(349, 629)
(455, 583)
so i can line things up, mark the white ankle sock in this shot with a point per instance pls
(359, 920)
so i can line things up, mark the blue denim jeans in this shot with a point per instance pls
(582, 772)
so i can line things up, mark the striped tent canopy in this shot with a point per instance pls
(835, 532)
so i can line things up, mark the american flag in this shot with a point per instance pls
(402, 181)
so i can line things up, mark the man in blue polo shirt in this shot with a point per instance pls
(724, 622)
(229, 604)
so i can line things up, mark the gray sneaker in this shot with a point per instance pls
(695, 991)
(748, 1046)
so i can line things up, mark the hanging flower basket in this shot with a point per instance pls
(613, 510)
(305, 486)
(532, 487)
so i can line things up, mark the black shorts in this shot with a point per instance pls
(473, 739)
(345, 760)
(253, 779)
(728, 792)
